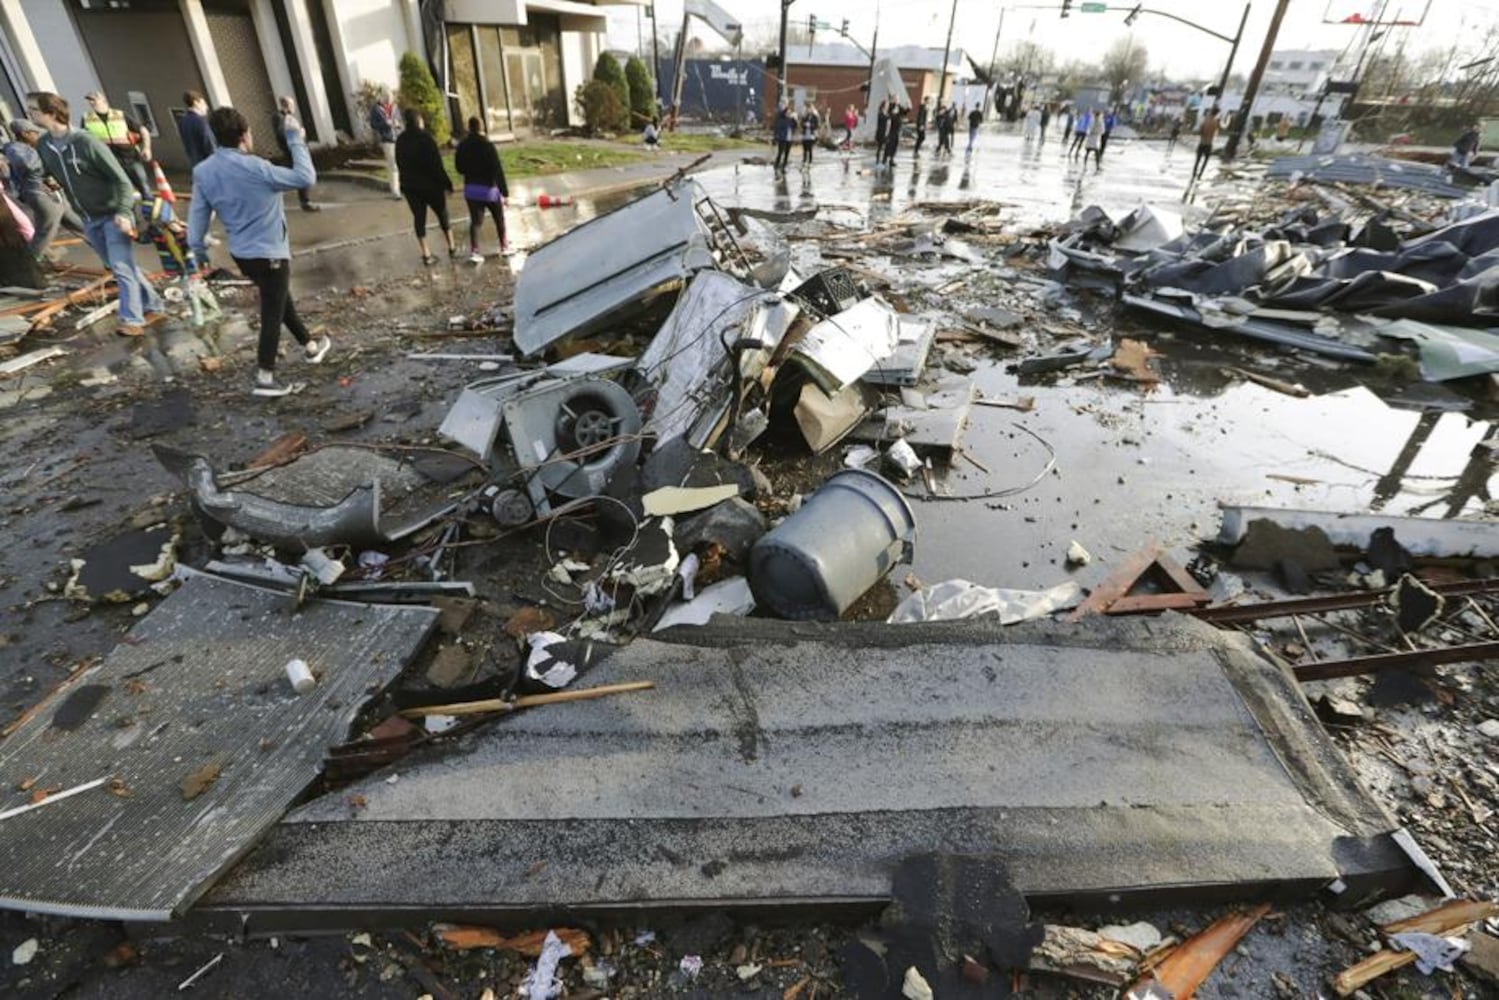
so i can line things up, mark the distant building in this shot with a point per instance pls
(1298, 73)
(720, 89)
(833, 76)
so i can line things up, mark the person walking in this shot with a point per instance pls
(975, 119)
(286, 115)
(1032, 126)
(484, 187)
(850, 122)
(385, 123)
(1109, 120)
(192, 128)
(1067, 118)
(126, 139)
(1466, 147)
(1045, 120)
(810, 124)
(424, 181)
(881, 127)
(922, 114)
(100, 192)
(1093, 141)
(244, 191)
(1176, 131)
(785, 125)
(1079, 133)
(28, 185)
(946, 122)
(1205, 136)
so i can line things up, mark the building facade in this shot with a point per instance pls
(1298, 73)
(513, 63)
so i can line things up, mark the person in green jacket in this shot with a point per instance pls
(96, 186)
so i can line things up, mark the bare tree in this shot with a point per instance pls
(1026, 59)
(1126, 62)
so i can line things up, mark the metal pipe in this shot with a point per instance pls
(1356, 666)
(1244, 613)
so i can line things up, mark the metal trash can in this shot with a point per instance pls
(845, 538)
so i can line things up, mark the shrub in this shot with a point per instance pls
(599, 104)
(419, 90)
(642, 92)
(607, 70)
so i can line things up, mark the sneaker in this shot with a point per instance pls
(452, 253)
(130, 330)
(311, 207)
(152, 318)
(318, 348)
(475, 257)
(429, 260)
(397, 196)
(266, 385)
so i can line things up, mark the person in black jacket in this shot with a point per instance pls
(484, 186)
(424, 181)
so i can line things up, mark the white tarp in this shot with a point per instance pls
(954, 599)
(885, 83)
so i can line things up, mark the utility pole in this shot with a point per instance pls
(994, 63)
(1246, 109)
(946, 51)
(655, 56)
(781, 72)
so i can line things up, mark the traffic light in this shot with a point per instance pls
(812, 24)
(1066, 7)
(1129, 18)
(844, 30)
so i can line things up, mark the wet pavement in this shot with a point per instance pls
(1133, 466)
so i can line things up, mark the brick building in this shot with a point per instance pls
(833, 76)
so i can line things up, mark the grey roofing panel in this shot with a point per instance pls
(582, 279)
(199, 681)
(1111, 756)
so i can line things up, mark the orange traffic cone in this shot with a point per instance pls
(553, 200)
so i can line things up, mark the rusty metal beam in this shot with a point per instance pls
(1241, 613)
(1327, 670)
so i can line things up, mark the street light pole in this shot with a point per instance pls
(942, 84)
(1246, 109)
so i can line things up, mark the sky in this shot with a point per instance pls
(1181, 52)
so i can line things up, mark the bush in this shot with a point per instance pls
(599, 104)
(607, 70)
(642, 92)
(419, 90)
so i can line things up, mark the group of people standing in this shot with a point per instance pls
(890, 121)
(100, 178)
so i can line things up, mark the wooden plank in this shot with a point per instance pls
(1147, 603)
(285, 448)
(1116, 586)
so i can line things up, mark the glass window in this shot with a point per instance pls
(1276, 64)
(1295, 65)
(465, 80)
(496, 105)
(1316, 65)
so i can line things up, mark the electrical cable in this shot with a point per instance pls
(1009, 491)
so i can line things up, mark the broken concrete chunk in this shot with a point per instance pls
(1489, 728)
(1077, 555)
(1141, 936)
(902, 458)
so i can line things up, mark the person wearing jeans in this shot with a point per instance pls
(96, 186)
(484, 187)
(384, 123)
(245, 191)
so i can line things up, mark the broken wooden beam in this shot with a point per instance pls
(526, 701)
